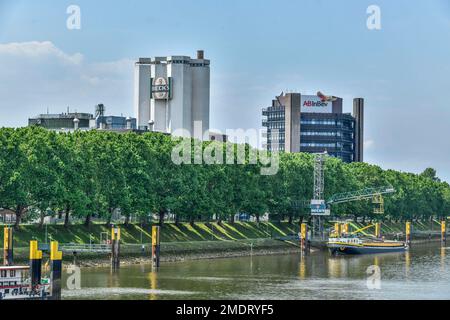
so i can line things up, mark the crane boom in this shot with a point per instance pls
(363, 194)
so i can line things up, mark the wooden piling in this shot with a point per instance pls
(156, 244)
(115, 248)
(8, 246)
(56, 271)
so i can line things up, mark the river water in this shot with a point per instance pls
(421, 273)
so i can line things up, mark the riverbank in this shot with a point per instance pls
(138, 234)
(192, 242)
(276, 248)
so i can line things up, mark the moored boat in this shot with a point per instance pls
(15, 285)
(355, 245)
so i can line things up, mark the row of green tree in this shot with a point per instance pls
(93, 174)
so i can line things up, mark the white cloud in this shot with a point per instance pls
(38, 50)
(39, 75)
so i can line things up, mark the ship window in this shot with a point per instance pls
(12, 273)
(3, 274)
(1, 284)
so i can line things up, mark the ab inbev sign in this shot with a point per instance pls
(314, 104)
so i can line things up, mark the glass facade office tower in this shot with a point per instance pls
(306, 123)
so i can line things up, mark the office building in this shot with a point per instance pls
(314, 124)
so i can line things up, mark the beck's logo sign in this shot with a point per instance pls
(161, 89)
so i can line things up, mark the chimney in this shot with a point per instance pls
(76, 123)
(200, 54)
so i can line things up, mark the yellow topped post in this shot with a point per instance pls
(8, 246)
(337, 229)
(54, 253)
(35, 253)
(56, 270)
(345, 228)
(408, 233)
(115, 248)
(5, 238)
(443, 231)
(156, 242)
(115, 233)
(35, 264)
(378, 230)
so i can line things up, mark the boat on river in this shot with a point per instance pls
(353, 244)
(16, 285)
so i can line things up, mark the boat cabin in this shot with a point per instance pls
(12, 280)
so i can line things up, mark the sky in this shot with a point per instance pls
(257, 48)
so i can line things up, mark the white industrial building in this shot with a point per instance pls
(173, 93)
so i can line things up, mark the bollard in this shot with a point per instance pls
(344, 228)
(304, 238)
(35, 265)
(408, 233)
(156, 243)
(115, 248)
(378, 230)
(8, 248)
(55, 271)
(443, 232)
(337, 229)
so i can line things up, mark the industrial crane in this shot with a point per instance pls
(319, 207)
(376, 194)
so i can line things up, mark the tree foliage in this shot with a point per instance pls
(95, 174)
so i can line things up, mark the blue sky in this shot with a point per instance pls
(257, 49)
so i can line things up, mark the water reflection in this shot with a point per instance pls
(407, 263)
(153, 278)
(302, 268)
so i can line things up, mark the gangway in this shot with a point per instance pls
(92, 248)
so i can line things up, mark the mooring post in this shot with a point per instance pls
(344, 229)
(55, 270)
(156, 243)
(378, 230)
(8, 246)
(115, 248)
(443, 232)
(337, 229)
(304, 239)
(408, 233)
(35, 265)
